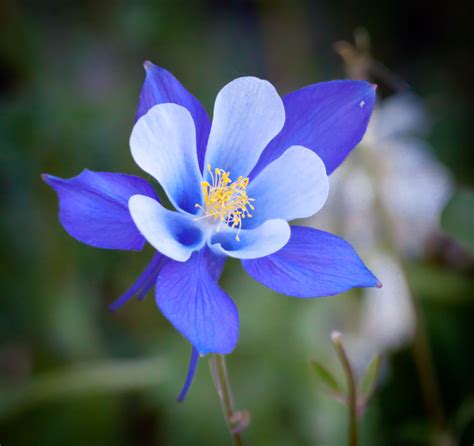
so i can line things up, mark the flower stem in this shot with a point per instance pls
(221, 382)
(351, 387)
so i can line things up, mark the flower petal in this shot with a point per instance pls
(163, 144)
(173, 234)
(248, 114)
(143, 283)
(313, 264)
(93, 208)
(329, 118)
(191, 300)
(161, 87)
(253, 243)
(193, 360)
(293, 186)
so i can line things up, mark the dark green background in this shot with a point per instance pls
(70, 75)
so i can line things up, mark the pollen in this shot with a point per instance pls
(226, 201)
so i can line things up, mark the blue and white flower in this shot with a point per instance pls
(234, 186)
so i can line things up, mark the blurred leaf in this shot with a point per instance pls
(464, 417)
(326, 377)
(416, 432)
(435, 283)
(369, 380)
(84, 379)
(458, 218)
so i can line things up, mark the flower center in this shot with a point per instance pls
(226, 200)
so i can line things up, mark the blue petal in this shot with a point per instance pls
(145, 281)
(329, 118)
(93, 208)
(293, 186)
(190, 375)
(313, 264)
(174, 234)
(251, 243)
(248, 114)
(189, 297)
(160, 87)
(163, 144)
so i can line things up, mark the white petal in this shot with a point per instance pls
(248, 114)
(173, 234)
(254, 243)
(293, 186)
(163, 144)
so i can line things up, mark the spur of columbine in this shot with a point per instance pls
(234, 185)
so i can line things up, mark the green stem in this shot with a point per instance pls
(221, 382)
(351, 387)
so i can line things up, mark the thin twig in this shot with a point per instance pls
(221, 382)
(351, 387)
(354, 57)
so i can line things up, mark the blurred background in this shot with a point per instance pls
(73, 373)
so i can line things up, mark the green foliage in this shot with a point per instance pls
(73, 373)
(326, 378)
(83, 380)
(458, 218)
(370, 377)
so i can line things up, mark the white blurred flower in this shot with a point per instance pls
(387, 318)
(392, 177)
(394, 162)
(400, 115)
(413, 185)
(350, 207)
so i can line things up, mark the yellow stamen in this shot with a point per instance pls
(226, 200)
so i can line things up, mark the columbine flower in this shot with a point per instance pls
(234, 186)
